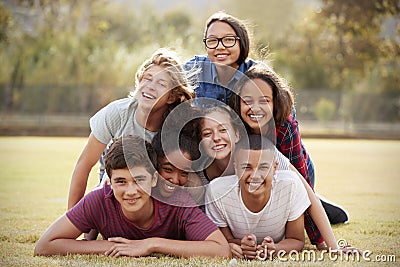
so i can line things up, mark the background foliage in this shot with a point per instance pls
(73, 57)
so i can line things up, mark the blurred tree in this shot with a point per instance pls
(344, 45)
(324, 109)
(363, 43)
(81, 49)
(303, 53)
(269, 19)
(76, 56)
(5, 23)
(17, 56)
(51, 42)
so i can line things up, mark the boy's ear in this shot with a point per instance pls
(154, 179)
(106, 180)
(275, 166)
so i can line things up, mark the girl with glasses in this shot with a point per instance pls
(227, 42)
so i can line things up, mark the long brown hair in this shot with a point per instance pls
(283, 98)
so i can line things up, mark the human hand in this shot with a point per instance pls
(126, 247)
(267, 247)
(248, 244)
(349, 249)
(322, 246)
(236, 251)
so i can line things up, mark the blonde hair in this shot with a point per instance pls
(183, 82)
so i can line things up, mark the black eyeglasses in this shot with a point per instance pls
(227, 41)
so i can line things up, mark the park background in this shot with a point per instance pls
(61, 61)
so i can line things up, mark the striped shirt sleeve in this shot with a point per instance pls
(82, 214)
(213, 208)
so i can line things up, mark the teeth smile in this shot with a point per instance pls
(253, 186)
(218, 147)
(170, 187)
(256, 116)
(131, 200)
(148, 96)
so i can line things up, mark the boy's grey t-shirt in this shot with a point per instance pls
(115, 120)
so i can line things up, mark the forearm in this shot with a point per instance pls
(78, 184)
(71, 246)
(88, 158)
(320, 218)
(288, 245)
(186, 249)
(235, 241)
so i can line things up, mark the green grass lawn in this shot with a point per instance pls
(361, 175)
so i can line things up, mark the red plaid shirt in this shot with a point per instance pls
(289, 143)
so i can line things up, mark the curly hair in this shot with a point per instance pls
(183, 81)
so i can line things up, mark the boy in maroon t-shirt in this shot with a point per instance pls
(130, 220)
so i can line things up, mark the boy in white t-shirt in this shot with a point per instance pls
(259, 208)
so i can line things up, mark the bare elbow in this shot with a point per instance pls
(300, 245)
(222, 249)
(41, 249)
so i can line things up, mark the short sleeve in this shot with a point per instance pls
(109, 122)
(300, 201)
(283, 162)
(81, 214)
(214, 208)
(102, 123)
